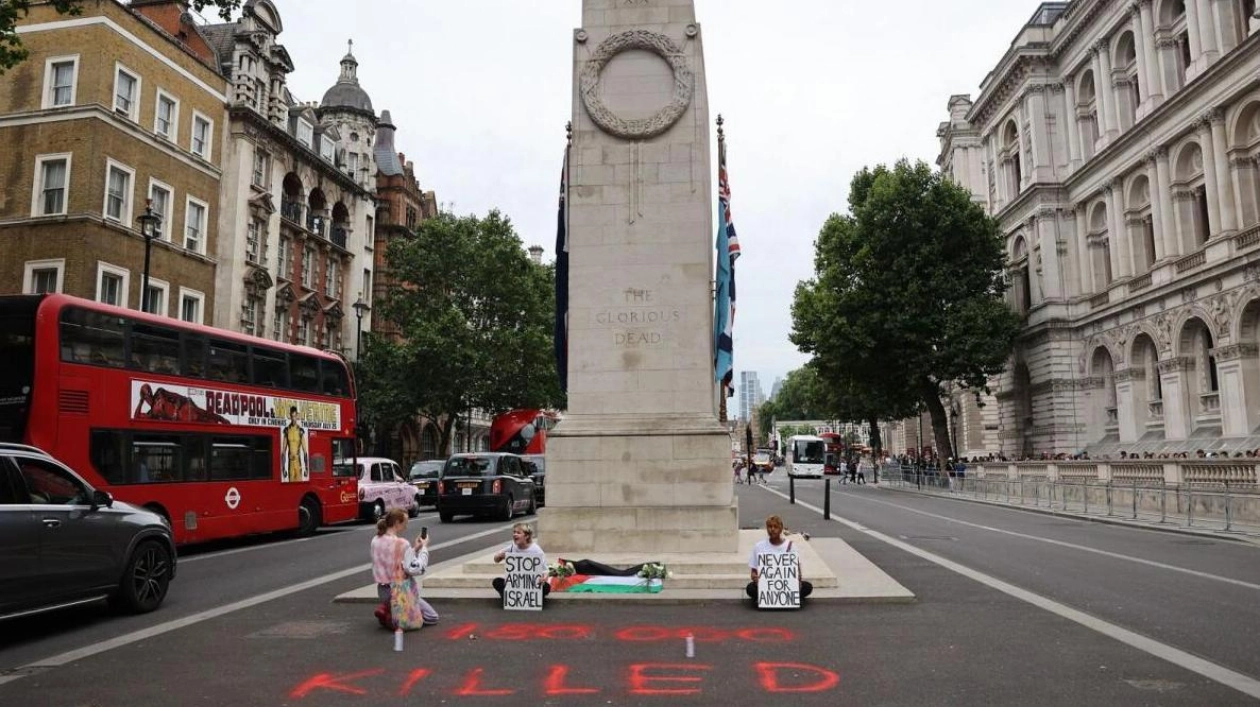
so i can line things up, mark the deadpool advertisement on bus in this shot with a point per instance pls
(151, 400)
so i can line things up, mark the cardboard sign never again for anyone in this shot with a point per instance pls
(523, 583)
(778, 580)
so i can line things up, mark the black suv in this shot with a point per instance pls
(488, 483)
(64, 543)
(424, 476)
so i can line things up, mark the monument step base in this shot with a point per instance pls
(839, 573)
(643, 532)
(678, 581)
(667, 597)
(717, 564)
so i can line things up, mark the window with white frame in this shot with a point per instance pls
(52, 180)
(249, 315)
(41, 276)
(353, 159)
(162, 196)
(202, 135)
(126, 91)
(367, 284)
(191, 305)
(61, 75)
(195, 225)
(325, 148)
(166, 116)
(330, 268)
(262, 168)
(308, 267)
(112, 283)
(285, 261)
(154, 299)
(280, 328)
(305, 133)
(304, 331)
(256, 241)
(118, 179)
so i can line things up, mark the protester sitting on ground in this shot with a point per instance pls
(522, 544)
(775, 544)
(392, 562)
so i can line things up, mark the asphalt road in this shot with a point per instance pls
(254, 625)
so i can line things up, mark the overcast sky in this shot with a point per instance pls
(812, 91)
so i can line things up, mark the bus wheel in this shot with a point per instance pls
(308, 517)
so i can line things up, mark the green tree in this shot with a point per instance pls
(13, 53)
(475, 316)
(907, 296)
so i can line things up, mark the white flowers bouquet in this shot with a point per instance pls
(655, 570)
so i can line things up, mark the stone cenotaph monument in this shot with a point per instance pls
(640, 463)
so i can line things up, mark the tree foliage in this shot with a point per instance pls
(475, 316)
(797, 399)
(907, 296)
(13, 53)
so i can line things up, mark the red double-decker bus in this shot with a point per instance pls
(521, 432)
(223, 434)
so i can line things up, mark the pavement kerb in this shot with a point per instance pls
(1243, 538)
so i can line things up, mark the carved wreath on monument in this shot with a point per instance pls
(640, 128)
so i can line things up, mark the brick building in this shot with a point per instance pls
(113, 107)
(298, 209)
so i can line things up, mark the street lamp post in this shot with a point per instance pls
(953, 423)
(149, 225)
(360, 307)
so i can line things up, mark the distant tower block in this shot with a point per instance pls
(640, 462)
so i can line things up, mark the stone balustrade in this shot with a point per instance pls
(1146, 471)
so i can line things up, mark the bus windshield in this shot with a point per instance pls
(809, 451)
(17, 351)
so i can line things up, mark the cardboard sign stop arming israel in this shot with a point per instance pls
(778, 580)
(522, 589)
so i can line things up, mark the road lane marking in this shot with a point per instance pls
(175, 624)
(1061, 543)
(317, 536)
(1212, 671)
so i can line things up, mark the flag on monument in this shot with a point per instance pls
(561, 334)
(727, 254)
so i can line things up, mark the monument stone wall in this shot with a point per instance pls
(640, 462)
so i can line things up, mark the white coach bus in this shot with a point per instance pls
(806, 455)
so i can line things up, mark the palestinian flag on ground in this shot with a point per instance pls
(597, 578)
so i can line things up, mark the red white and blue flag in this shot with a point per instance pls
(724, 305)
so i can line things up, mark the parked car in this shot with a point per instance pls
(424, 476)
(381, 488)
(536, 469)
(485, 484)
(64, 543)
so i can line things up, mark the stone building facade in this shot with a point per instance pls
(112, 107)
(298, 209)
(1119, 145)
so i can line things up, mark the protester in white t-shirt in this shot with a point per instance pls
(522, 544)
(774, 544)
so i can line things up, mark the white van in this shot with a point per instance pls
(806, 455)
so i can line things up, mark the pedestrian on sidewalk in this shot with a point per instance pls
(395, 560)
(861, 471)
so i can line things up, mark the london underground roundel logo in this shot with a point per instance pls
(233, 498)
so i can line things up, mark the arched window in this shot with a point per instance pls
(1190, 191)
(1087, 112)
(1012, 159)
(1130, 95)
